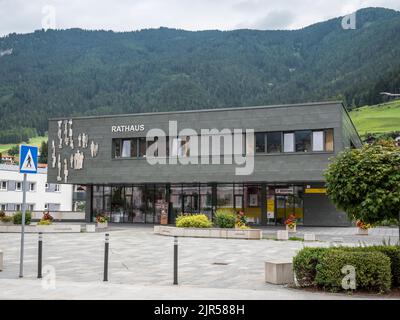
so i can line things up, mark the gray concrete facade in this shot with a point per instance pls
(282, 167)
(289, 168)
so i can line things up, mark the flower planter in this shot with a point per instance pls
(102, 225)
(290, 229)
(361, 231)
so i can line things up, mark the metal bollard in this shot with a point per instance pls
(175, 260)
(40, 255)
(107, 244)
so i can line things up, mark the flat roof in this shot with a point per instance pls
(207, 110)
(15, 168)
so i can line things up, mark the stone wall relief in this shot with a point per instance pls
(76, 159)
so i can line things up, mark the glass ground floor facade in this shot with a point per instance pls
(263, 204)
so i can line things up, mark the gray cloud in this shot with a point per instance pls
(23, 16)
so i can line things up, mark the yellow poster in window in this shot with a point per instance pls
(315, 190)
(270, 207)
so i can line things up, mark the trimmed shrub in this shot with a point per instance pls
(392, 252)
(372, 269)
(225, 218)
(304, 265)
(17, 218)
(193, 221)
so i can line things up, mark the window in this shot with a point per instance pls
(57, 188)
(142, 147)
(3, 185)
(46, 206)
(274, 142)
(126, 148)
(46, 185)
(318, 141)
(31, 207)
(303, 140)
(129, 148)
(260, 142)
(288, 142)
(18, 186)
(32, 186)
(3, 207)
(329, 140)
(18, 207)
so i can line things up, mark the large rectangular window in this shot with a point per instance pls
(274, 142)
(303, 140)
(318, 141)
(260, 142)
(329, 140)
(288, 142)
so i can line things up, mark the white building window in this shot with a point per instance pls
(18, 186)
(31, 207)
(46, 206)
(3, 206)
(318, 141)
(32, 186)
(18, 207)
(3, 185)
(46, 185)
(57, 188)
(288, 142)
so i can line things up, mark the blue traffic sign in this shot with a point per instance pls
(28, 159)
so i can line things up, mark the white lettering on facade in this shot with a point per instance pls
(128, 128)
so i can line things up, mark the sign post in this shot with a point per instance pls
(28, 161)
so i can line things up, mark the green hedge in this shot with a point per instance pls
(225, 218)
(193, 221)
(372, 270)
(392, 252)
(17, 217)
(319, 267)
(304, 265)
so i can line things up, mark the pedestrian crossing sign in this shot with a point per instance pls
(28, 159)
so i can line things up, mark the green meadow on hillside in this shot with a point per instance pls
(36, 141)
(379, 118)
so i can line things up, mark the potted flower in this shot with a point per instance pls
(362, 227)
(102, 221)
(290, 223)
(4, 219)
(46, 220)
(241, 221)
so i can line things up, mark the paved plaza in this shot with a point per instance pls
(141, 265)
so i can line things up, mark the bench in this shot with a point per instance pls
(309, 236)
(282, 235)
(279, 271)
(1, 260)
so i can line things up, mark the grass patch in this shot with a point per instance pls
(380, 118)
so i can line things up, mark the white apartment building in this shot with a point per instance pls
(40, 195)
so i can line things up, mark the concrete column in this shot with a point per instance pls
(89, 205)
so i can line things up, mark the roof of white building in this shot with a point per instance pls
(9, 167)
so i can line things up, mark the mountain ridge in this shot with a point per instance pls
(76, 72)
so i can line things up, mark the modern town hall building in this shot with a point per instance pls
(148, 168)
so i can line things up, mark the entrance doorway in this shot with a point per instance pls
(288, 204)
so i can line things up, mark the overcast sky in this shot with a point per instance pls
(24, 16)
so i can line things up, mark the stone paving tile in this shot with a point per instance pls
(138, 257)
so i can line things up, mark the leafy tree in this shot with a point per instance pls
(43, 152)
(13, 151)
(365, 182)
